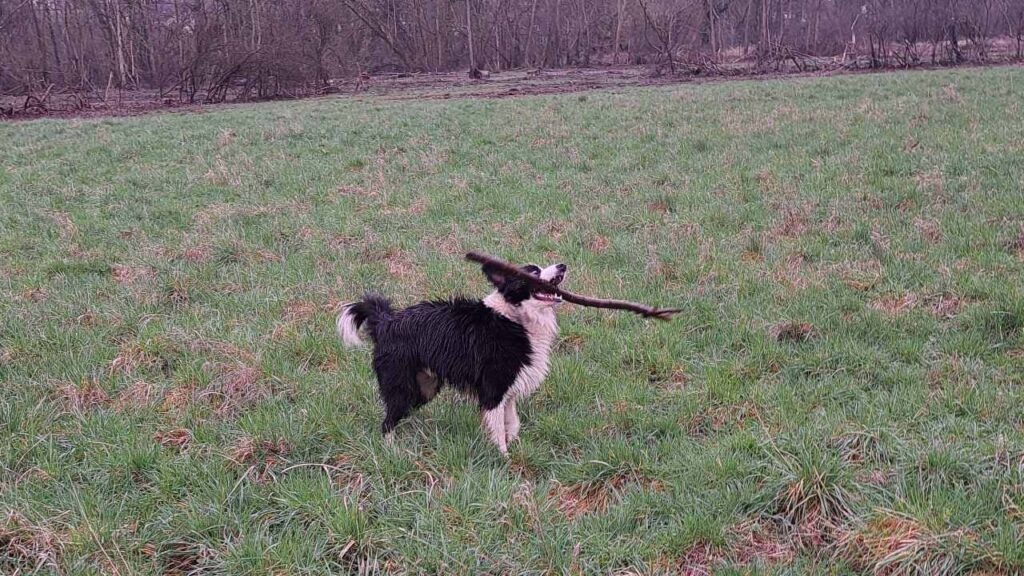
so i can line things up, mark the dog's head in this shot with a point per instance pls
(519, 294)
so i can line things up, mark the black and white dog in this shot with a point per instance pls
(495, 349)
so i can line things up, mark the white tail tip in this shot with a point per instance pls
(347, 328)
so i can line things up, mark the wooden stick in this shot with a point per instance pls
(641, 309)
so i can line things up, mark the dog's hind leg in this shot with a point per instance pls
(429, 384)
(394, 413)
(399, 392)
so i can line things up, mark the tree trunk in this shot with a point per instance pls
(469, 30)
(620, 8)
(529, 32)
(43, 59)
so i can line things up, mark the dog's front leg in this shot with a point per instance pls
(511, 421)
(494, 424)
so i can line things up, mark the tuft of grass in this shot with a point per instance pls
(892, 543)
(809, 491)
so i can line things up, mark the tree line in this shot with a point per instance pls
(211, 50)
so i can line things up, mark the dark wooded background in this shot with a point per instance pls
(212, 50)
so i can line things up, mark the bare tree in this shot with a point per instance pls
(210, 50)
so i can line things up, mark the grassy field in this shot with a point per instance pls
(841, 395)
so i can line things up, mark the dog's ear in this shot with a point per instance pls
(494, 275)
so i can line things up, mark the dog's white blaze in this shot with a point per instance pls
(347, 327)
(541, 329)
(541, 325)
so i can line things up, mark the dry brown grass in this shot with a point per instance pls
(83, 396)
(679, 378)
(949, 92)
(132, 357)
(197, 254)
(906, 205)
(929, 229)
(795, 221)
(932, 183)
(791, 331)
(248, 450)
(880, 239)
(1016, 244)
(234, 387)
(580, 499)
(833, 223)
(177, 294)
(260, 457)
(759, 543)
(66, 228)
(717, 418)
(419, 206)
(875, 477)
(139, 394)
(299, 310)
(792, 274)
(896, 544)
(895, 305)
(35, 295)
(571, 344)
(178, 439)
(946, 305)
(296, 313)
(178, 399)
(598, 244)
(862, 276)
(224, 350)
(449, 244)
(130, 274)
(236, 380)
(223, 174)
(403, 266)
(225, 137)
(179, 558)
(27, 548)
(701, 559)
(354, 191)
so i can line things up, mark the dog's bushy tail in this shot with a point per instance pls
(365, 316)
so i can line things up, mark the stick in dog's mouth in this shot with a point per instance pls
(546, 289)
(545, 296)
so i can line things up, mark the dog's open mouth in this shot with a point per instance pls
(548, 296)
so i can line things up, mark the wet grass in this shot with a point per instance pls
(840, 395)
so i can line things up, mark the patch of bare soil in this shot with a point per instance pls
(434, 85)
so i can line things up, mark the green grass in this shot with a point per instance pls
(174, 397)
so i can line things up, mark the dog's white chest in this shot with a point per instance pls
(541, 331)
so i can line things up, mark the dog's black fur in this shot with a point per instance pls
(465, 343)
(461, 342)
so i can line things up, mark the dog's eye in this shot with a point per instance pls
(535, 270)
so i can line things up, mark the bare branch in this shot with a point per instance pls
(641, 309)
